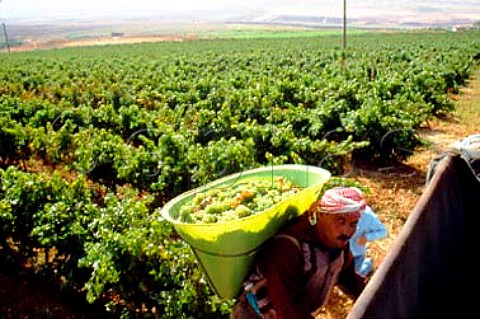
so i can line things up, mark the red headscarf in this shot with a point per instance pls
(340, 200)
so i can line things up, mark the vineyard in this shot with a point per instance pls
(94, 140)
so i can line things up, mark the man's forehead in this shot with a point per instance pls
(350, 217)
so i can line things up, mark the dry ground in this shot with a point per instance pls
(394, 193)
(57, 43)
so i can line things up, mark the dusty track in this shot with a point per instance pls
(47, 44)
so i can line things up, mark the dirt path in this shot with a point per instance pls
(47, 44)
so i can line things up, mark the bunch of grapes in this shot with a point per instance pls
(240, 200)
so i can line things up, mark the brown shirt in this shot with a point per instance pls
(300, 273)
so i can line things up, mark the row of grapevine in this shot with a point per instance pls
(93, 141)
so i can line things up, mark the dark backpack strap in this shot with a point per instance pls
(306, 251)
(347, 258)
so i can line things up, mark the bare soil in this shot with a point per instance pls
(24, 298)
(56, 43)
(394, 192)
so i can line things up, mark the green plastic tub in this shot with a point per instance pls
(227, 250)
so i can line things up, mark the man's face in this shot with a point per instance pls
(334, 230)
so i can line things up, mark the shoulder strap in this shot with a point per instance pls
(304, 249)
(347, 258)
(291, 238)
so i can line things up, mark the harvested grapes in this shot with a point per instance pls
(236, 201)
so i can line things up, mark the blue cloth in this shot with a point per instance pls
(372, 228)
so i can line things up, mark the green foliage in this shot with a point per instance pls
(14, 140)
(135, 126)
(110, 243)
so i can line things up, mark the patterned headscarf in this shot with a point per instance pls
(340, 200)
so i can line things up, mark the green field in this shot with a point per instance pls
(94, 140)
(274, 32)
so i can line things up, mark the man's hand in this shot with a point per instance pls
(362, 240)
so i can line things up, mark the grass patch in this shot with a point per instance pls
(273, 32)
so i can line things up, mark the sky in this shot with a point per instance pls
(52, 9)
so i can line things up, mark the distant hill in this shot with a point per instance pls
(59, 28)
(394, 22)
(399, 13)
